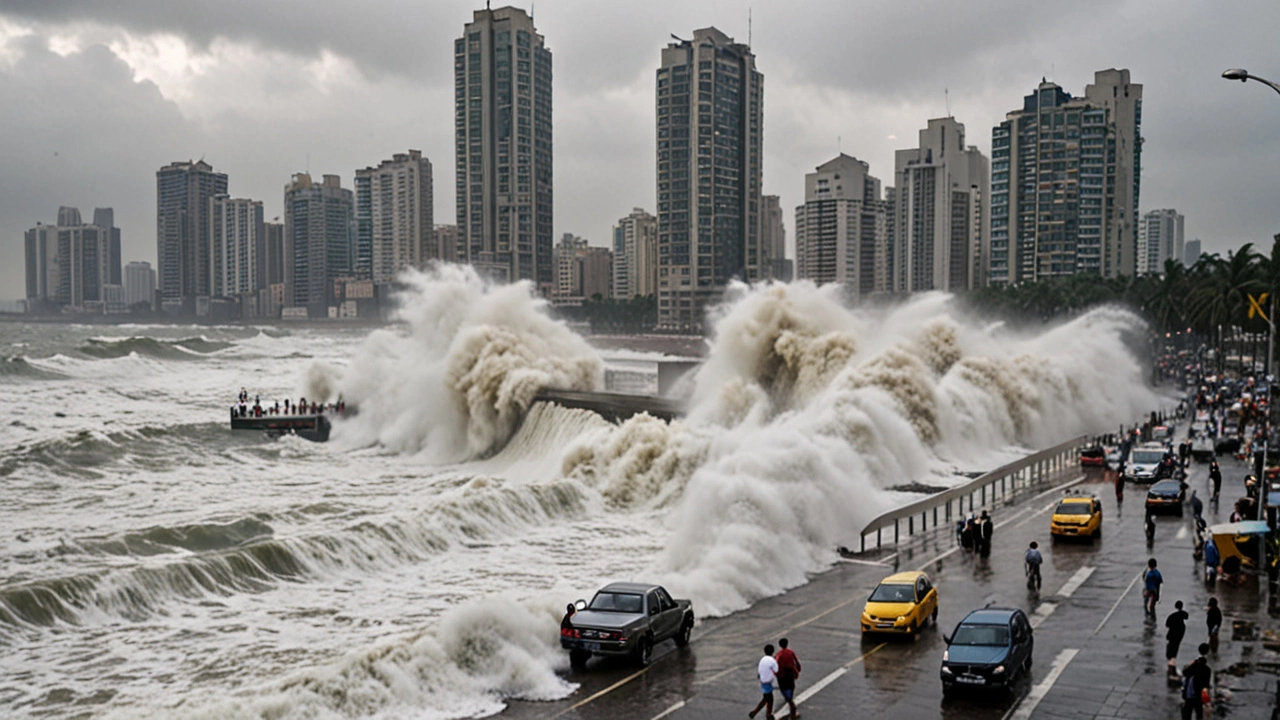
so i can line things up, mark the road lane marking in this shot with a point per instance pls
(1182, 533)
(669, 710)
(856, 561)
(1042, 612)
(603, 692)
(1076, 581)
(1023, 710)
(1112, 611)
(824, 682)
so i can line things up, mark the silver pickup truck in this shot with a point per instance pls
(627, 620)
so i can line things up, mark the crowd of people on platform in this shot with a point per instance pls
(242, 408)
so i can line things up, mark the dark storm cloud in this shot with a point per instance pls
(845, 75)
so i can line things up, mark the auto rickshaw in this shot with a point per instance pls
(1239, 540)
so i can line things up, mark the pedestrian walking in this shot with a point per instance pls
(985, 528)
(1151, 582)
(967, 535)
(1197, 677)
(1215, 477)
(1211, 560)
(1177, 629)
(767, 672)
(1032, 560)
(1213, 619)
(788, 673)
(1197, 505)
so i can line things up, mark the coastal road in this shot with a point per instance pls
(1096, 655)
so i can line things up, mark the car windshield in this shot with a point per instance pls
(894, 593)
(981, 635)
(617, 602)
(1165, 487)
(1147, 457)
(1073, 508)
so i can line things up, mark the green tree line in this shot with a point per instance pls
(1213, 292)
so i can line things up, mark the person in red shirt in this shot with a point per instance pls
(788, 671)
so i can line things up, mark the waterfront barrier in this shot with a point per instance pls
(999, 485)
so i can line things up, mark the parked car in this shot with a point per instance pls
(990, 648)
(627, 620)
(901, 603)
(1202, 447)
(1166, 495)
(1076, 516)
(1095, 456)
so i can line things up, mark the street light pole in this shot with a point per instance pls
(1243, 76)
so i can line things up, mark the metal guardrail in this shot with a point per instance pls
(999, 484)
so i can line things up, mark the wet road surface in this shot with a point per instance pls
(1096, 654)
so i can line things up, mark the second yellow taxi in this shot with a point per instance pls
(902, 603)
(1077, 516)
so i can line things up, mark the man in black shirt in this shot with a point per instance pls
(1196, 679)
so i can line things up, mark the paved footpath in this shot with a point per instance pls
(1096, 654)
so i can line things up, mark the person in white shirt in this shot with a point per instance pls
(767, 669)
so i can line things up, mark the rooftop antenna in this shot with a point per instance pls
(748, 27)
(946, 95)
(839, 146)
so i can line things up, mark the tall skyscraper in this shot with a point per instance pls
(395, 228)
(841, 229)
(773, 240)
(1065, 175)
(41, 254)
(183, 250)
(83, 265)
(239, 253)
(582, 270)
(710, 129)
(502, 112)
(635, 255)
(940, 199)
(447, 240)
(1191, 253)
(276, 252)
(105, 218)
(1160, 238)
(319, 228)
(139, 283)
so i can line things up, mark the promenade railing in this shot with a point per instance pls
(998, 485)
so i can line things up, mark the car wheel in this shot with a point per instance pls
(578, 659)
(682, 637)
(644, 652)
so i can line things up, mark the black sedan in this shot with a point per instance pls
(1166, 495)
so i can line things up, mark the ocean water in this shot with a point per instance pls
(155, 564)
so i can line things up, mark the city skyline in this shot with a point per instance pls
(260, 103)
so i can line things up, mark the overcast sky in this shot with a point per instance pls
(96, 95)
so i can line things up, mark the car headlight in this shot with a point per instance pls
(999, 669)
(901, 618)
(946, 655)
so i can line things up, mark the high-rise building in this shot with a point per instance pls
(1160, 238)
(1065, 176)
(69, 217)
(83, 265)
(773, 240)
(841, 229)
(239, 253)
(395, 228)
(139, 283)
(582, 271)
(183, 250)
(105, 218)
(635, 255)
(1191, 254)
(502, 113)
(276, 252)
(940, 200)
(447, 241)
(41, 254)
(710, 129)
(319, 229)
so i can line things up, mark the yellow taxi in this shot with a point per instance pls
(901, 603)
(1076, 516)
